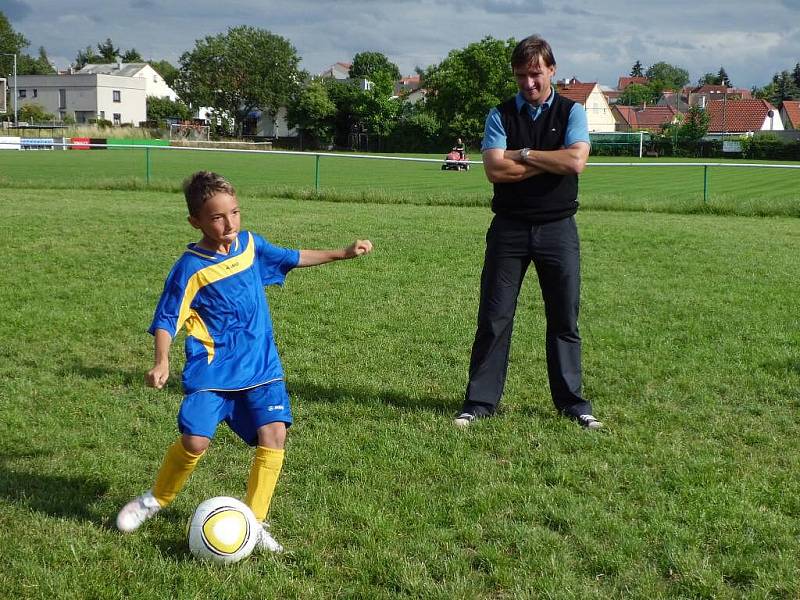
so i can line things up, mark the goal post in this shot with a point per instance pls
(619, 143)
(189, 131)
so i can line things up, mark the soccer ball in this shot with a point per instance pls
(223, 530)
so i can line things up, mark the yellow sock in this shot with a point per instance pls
(175, 470)
(263, 478)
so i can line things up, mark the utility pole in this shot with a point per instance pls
(16, 93)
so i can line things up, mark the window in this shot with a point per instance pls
(62, 98)
(117, 96)
(22, 93)
(117, 119)
(35, 93)
(103, 114)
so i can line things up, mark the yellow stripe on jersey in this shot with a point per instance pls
(211, 274)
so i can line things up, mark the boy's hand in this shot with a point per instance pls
(358, 248)
(157, 376)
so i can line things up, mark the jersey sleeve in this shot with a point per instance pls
(577, 126)
(169, 305)
(494, 134)
(274, 262)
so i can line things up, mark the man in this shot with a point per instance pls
(534, 147)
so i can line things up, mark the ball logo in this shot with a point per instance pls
(223, 530)
(226, 531)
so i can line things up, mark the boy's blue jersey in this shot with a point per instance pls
(220, 300)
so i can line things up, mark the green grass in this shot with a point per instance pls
(690, 327)
(734, 191)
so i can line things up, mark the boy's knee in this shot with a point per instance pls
(272, 435)
(196, 444)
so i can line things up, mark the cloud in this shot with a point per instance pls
(15, 10)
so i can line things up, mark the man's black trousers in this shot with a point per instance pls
(554, 249)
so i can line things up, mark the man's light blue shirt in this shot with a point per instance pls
(494, 134)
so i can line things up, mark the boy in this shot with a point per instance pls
(232, 371)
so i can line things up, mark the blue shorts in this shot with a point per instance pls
(244, 411)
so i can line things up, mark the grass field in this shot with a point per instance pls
(737, 191)
(692, 357)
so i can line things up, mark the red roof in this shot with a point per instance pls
(577, 92)
(740, 116)
(626, 81)
(651, 118)
(792, 110)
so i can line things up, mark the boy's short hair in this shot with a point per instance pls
(201, 186)
(530, 50)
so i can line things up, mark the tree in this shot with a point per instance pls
(636, 70)
(796, 75)
(636, 95)
(695, 125)
(238, 71)
(131, 56)
(376, 68)
(708, 79)
(467, 83)
(34, 113)
(313, 112)
(27, 65)
(12, 42)
(108, 52)
(666, 76)
(723, 78)
(87, 56)
(161, 109)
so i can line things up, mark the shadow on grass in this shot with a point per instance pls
(54, 495)
(126, 378)
(335, 394)
(311, 391)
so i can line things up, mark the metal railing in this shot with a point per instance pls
(318, 156)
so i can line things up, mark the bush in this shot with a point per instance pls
(767, 146)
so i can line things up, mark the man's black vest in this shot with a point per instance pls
(546, 197)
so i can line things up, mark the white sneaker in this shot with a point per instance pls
(266, 541)
(137, 511)
(589, 422)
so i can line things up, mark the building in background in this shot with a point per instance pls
(86, 97)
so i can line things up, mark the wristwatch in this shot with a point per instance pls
(523, 154)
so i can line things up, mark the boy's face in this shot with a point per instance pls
(219, 221)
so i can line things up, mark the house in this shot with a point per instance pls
(407, 84)
(624, 82)
(679, 100)
(339, 70)
(646, 118)
(154, 83)
(742, 117)
(790, 114)
(86, 97)
(702, 95)
(598, 112)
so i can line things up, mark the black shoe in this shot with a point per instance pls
(466, 417)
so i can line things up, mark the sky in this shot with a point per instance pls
(593, 41)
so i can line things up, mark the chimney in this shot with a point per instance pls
(119, 63)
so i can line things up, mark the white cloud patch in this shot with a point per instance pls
(591, 40)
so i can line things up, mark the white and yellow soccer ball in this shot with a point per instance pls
(223, 530)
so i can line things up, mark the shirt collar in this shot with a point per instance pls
(534, 110)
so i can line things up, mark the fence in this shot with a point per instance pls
(745, 188)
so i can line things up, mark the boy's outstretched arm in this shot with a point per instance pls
(158, 375)
(312, 258)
